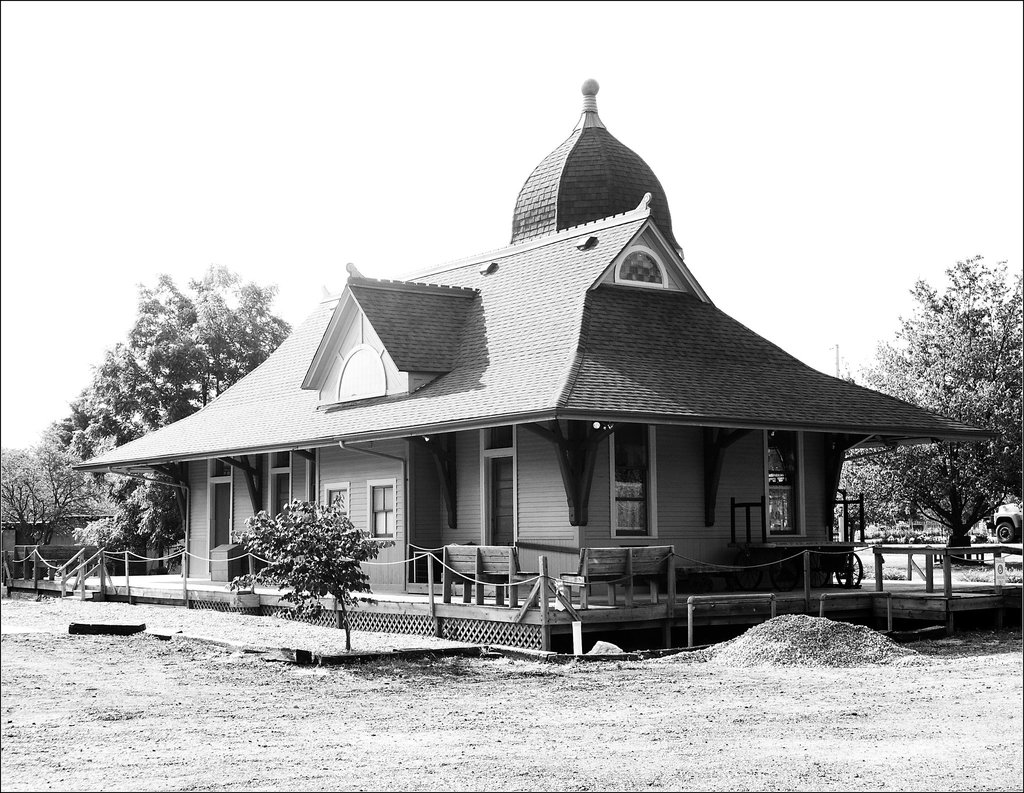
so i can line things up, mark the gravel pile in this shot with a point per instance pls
(802, 640)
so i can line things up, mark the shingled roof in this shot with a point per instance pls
(680, 358)
(536, 342)
(419, 324)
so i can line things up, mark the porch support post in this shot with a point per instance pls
(305, 454)
(716, 441)
(576, 451)
(251, 473)
(442, 450)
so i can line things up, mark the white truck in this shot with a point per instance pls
(1007, 520)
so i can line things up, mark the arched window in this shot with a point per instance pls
(362, 375)
(640, 267)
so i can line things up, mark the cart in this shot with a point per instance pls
(783, 562)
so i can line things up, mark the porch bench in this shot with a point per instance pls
(484, 564)
(621, 565)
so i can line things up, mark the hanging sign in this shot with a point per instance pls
(999, 570)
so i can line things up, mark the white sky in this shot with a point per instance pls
(818, 158)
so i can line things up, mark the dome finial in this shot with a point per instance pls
(590, 117)
(590, 89)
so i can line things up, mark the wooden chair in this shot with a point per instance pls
(621, 565)
(485, 564)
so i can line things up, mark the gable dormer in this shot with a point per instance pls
(387, 338)
(648, 261)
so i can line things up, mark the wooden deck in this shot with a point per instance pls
(544, 626)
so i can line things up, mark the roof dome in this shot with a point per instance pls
(589, 177)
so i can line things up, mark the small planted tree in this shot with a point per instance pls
(313, 551)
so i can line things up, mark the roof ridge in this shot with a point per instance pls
(579, 355)
(399, 285)
(640, 212)
(578, 134)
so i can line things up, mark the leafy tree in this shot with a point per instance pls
(185, 349)
(959, 355)
(314, 551)
(40, 492)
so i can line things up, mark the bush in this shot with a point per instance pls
(313, 550)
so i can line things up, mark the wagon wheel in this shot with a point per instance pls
(851, 572)
(820, 576)
(745, 577)
(784, 575)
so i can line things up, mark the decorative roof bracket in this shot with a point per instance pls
(836, 446)
(576, 452)
(443, 452)
(249, 468)
(176, 473)
(716, 441)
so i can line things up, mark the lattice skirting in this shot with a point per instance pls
(213, 605)
(510, 634)
(471, 631)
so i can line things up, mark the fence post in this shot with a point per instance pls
(545, 629)
(807, 580)
(878, 568)
(184, 576)
(102, 569)
(430, 594)
(127, 578)
(37, 570)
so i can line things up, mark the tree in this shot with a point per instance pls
(184, 350)
(314, 551)
(958, 355)
(39, 490)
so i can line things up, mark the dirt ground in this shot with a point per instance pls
(138, 713)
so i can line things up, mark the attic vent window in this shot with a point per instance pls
(587, 244)
(640, 267)
(489, 268)
(362, 376)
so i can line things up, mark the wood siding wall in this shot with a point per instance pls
(467, 486)
(199, 519)
(815, 497)
(542, 508)
(357, 468)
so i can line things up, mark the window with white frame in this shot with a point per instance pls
(782, 465)
(220, 484)
(280, 490)
(640, 267)
(380, 503)
(632, 467)
(336, 494)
